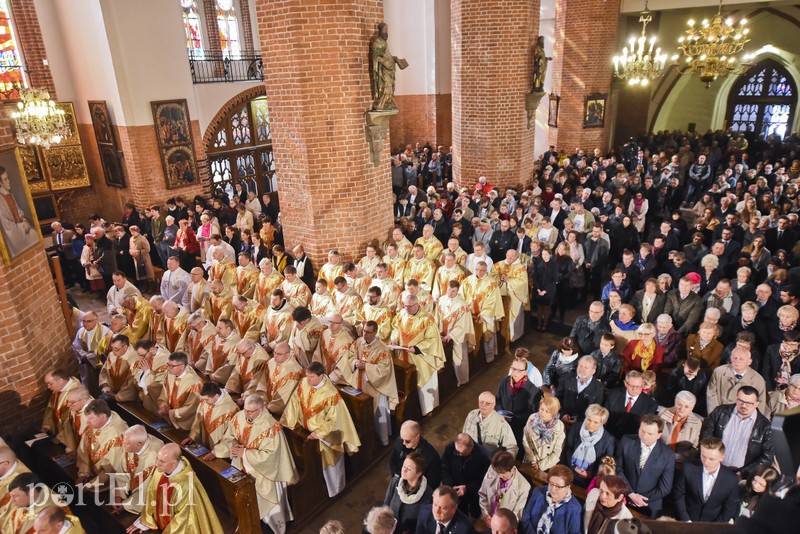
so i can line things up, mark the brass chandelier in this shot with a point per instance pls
(711, 47)
(38, 121)
(639, 63)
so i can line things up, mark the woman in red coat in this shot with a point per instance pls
(644, 353)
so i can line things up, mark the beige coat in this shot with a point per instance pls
(515, 497)
(546, 455)
(140, 251)
(722, 387)
(690, 432)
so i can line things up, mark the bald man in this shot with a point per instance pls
(219, 304)
(251, 360)
(172, 336)
(197, 291)
(489, 429)
(175, 483)
(10, 467)
(337, 349)
(70, 436)
(140, 464)
(432, 246)
(281, 378)
(54, 520)
(411, 440)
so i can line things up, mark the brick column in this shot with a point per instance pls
(582, 66)
(212, 28)
(318, 91)
(491, 62)
(247, 26)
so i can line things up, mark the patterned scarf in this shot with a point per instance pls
(544, 431)
(497, 500)
(645, 354)
(515, 387)
(585, 456)
(546, 522)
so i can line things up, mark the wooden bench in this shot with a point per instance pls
(405, 374)
(310, 495)
(361, 410)
(448, 385)
(235, 502)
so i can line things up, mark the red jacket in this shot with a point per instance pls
(186, 240)
(628, 362)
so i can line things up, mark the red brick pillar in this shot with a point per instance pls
(247, 26)
(212, 27)
(582, 66)
(318, 91)
(491, 62)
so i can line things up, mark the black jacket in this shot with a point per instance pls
(771, 366)
(574, 403)
(588, 339)
(609, 368)
(522, 404)
(604, 447)
(621, 422)
(433, 471)
(723, 502)
(760, 450)
(465, 471)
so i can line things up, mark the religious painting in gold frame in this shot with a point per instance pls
(175, 141)
(19, 226)
(65, 167)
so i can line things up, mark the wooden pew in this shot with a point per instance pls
(405, 374)
(448, 385)
(361, 410)
(310, 495)
(477, 361)
(95, 518)
(235, 502)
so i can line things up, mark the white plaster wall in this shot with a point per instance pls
(210, 97)
(547, 27)
(690, 101)
(80, 61)
(444, 64)
(412, 35)
(148, 45)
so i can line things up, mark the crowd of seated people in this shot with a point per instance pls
(657, 402)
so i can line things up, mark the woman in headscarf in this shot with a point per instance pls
(552, 509)
(605, 504)
(587, 443)
(543, 439)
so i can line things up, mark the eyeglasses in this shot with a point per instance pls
(174, 365)
(745, 403)
(556, 486)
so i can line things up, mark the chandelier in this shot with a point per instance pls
(639, 63)
(38, 121)
(710, 48)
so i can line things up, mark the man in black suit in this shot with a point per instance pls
(415, 196)
(580, 390)
(781, 237)
(647, 465)
(411, 440)
(707, 490)
(589, 329)
(463, 467)
(305, 269)
(557, 214)
(627, 406)
(443, 516)
(767, 307)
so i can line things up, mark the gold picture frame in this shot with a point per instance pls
(19, 225)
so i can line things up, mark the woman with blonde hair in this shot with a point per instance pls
(587, 442)
(543, 438)
(711, 273)
(380, 520)
(643, 353)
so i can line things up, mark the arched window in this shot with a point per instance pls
(228, 27)
(762, 101)
(12, 75)
(241, 149)
(192, 27)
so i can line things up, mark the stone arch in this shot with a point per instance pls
(235, 102)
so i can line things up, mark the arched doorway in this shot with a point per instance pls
(239, 149)
(762, 101)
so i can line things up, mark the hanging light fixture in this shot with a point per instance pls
(639, 63)
(710, 49)
(38, 121)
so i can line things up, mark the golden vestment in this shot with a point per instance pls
(486, 305)
(305, 343)
(278, 324)
(140, 318)
(297, 293)
(139, 467)
(322, 410)
(5, 499)
(322, 305)
(100, 451)
(390, 292)
(56, 413)
(360, 284)
(105, 344)
(247, 372)
(20, 520)
(150, 381)
(267, 457)
(249, 322)
(278, 383)
(443, 277)
(515, 292)
(196, 344)
(90, 343)
(265, 285)
(246, 279)
(73, 431)
(211, 422)
(420, 331)
(167, 505)
(422, 271)
(329, 272)
(378, 371)
(381, 315)
(172, 335)
(404, 248)
(219, 358)
(455, 320)
(218, 306)
(196, 295)
(336, 351)
(225, 272)
(461, 256)
(433, 247)
(397, 268)
(181, 394)
(116, 374)
(347, 305)
(368, 266)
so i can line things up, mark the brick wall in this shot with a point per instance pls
(27, 26)
(247, 25)
(422, 119)
(316, 61)
(491, 73)
(581, 66)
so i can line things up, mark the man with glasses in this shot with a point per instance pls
(77, 400)
(180, 397)
(199, 335)
(627, 405)
(744, 430)
(416, 334)
(116, 379)
(411, 440)
(489, 429)
(647, 465)
(86, 345)
(727, 379)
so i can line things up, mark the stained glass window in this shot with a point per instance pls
(240, 127)
(762, 101)
(192, 27)
(12, 76)
(228, 27)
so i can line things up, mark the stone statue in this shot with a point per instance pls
(383, 64)
(540, 61)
